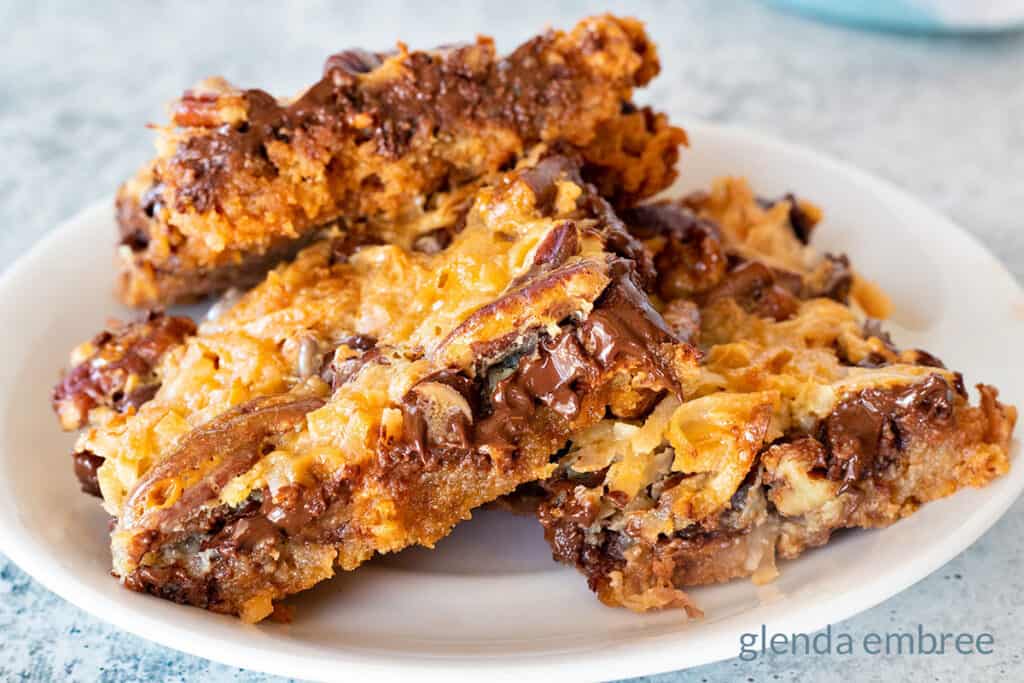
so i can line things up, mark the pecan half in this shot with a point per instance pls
(208, 457)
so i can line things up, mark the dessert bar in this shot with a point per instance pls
(366, 398)
(805, 419)
(243, 180)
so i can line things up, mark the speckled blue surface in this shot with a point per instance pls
(942, 117)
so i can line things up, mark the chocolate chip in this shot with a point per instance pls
(543, 178)
(752, 285)
(867, 431)
(87, 464)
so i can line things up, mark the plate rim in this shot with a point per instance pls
(643, 655)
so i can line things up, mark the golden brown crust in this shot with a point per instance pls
(359, 401)
(241, 178)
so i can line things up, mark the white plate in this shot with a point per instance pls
(489, 601)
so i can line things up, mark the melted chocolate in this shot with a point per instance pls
(151, 201)
(432, 445)
(337, 372)
(868, 431)
(618, 239)
(132, 351)
(219, 450)
(174, 584)
(922, 357)
(564, 517)
(557, 373)
(873, 328)
(133, 216)
(753, 286)
(492, 411)
(625, 325)
(291, 511)
(691, 259)
(874, 359)
(800, 222)
(294, 509)
(434, 92)
(838, 280)
(543, 179)
(87, 464)
(247, 533)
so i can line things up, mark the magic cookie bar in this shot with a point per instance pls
(362, 400)
(805, 418)
(243, 180)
